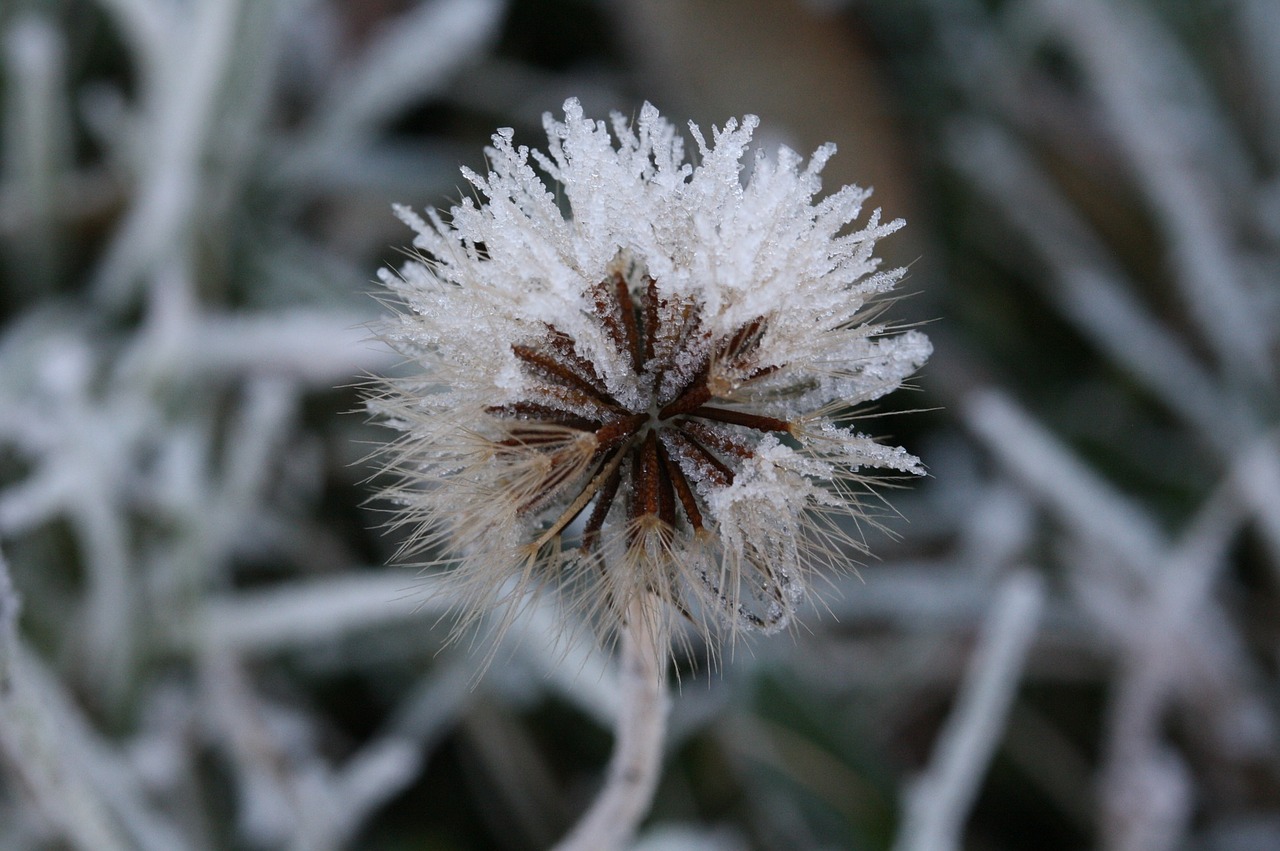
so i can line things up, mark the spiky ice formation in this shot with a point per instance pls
(644, 396)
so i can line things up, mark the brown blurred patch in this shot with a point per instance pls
(806, 74)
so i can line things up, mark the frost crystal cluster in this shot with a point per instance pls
(644, 396)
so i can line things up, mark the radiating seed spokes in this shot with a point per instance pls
(656, 458)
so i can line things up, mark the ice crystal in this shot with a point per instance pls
(642, 397)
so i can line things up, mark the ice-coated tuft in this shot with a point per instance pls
(748, 284)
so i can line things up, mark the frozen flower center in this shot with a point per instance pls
(587, 449)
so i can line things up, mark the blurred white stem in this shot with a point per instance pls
(1087, 504)
(315, 346)
(87, 790)
(44, 758)
(272, 804)
(940, 799)
(1258, 25)
(147, 27)
(396, 71)
(35, 144)
(1093, 293)
(180, 116)
(110, 629)
(1257, 478)
(1115, 49)
(1145, 790)
(10, 604)
(638, 739)
(1091, 290)
(295, 614)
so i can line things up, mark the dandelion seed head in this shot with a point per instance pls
(643, 396)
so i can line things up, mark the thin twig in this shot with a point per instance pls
(1118, 53)
(38, 153)
(1088, 287)
(79, 782)
(10, 605)
(45, 762)
(1086, 503)
(1146, 791)
(940, 799)
(299, 613)
(1257, 23)
(181, 108)
(1115, 532)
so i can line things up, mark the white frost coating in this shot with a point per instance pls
(398, 71)
(759, 525)
(497, 490)
(851, 451)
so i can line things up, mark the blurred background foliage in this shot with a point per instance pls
(1069, 639)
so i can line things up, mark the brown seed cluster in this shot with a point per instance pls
(651, 454)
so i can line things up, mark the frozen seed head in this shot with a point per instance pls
(645, 398)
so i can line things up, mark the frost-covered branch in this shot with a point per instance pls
(939, 800)
(297, 614)
(175, 118)
(80, 785)
(1145, 792)
(396, 71)
(1120, 50)
(35, 156)
(1081, 498)
(1089, 288)
(639, 735)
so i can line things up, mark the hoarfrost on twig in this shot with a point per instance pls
(938, 801)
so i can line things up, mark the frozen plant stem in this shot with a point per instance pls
(638, 737)
(672, 384)
(938, 805)
(33, 150)
(653, 427)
